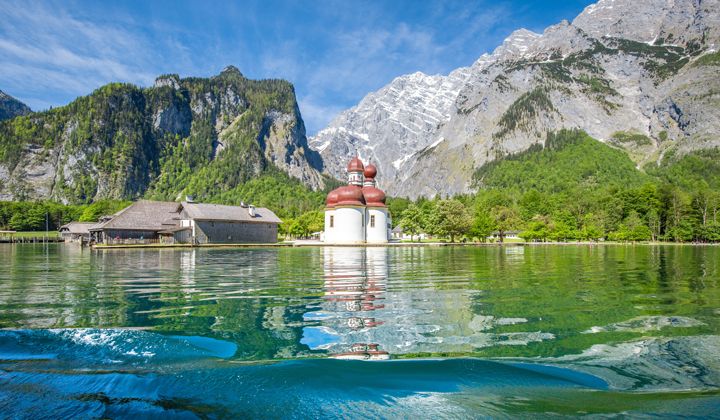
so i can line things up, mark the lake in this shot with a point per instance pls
(429, 332)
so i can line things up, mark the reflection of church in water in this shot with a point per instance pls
(355, 284)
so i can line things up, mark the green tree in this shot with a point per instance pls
(412, 220)
(94, 211)
(506, 218)
(592, 228)
(451, 219)
(632, 229)
(31, 219)
(307, 224)
(396, 206)
(483, 224)
(538, 229)
(534, 203)
(429, 223)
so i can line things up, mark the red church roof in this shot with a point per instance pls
(353, 195)
(355, 165)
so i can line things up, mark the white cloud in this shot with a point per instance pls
(46, 49)
(361, 59)
(53, 52)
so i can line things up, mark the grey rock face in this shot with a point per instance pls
(391, 124)
(619, 66)
(170, 80)
(11, 107)
(159, 119)
(283, 141)
(676, 22)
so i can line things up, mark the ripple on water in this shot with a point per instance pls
(611, 314)
(187, 374)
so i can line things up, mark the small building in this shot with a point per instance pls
(140, 222)
(216, 223)
(76, 231)
(510, 234)
(196, 223)
(399, 234)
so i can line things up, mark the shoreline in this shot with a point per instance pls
(307, 244)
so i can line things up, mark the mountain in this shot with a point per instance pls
(567, 160)
(11, 107)
(405, 115)
(639, 76)
(195, 136)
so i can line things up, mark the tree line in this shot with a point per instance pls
(648, 213)
(576, 188)
(39, 215)
(572, 188)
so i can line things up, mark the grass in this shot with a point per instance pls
(711, 59)
(38, 234)
(631, 137)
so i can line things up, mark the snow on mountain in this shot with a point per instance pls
(402, 116)
(621, 65)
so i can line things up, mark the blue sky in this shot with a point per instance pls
(335, 52)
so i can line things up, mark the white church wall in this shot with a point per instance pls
(330, 223)
(377, 220)
(349, 225)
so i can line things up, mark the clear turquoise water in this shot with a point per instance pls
(457, 332)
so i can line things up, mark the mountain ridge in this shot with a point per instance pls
(618, 67)
(194, 136)
(11, 107)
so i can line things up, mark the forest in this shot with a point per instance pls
(39, 215)
(575, 188)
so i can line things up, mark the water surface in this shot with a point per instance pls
(356, 332)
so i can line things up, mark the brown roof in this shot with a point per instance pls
(142, 215)
(78, 227)
(219, 212)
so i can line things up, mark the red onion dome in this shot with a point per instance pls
(370, 171)
(374, 196)
(332, 198)
(355, 165)
(350, 195)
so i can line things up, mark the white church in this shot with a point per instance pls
(356, 213)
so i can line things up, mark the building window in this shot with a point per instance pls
(332, 221)
(372, 220)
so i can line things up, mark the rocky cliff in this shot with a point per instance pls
(11, 107)
(640, 76)
(197, 136)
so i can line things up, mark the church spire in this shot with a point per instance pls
(355, 170)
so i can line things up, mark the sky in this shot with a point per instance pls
(334, 52)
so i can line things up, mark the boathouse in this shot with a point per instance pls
(140, 222)
(146, 222)
(76, 231)
(215, 223)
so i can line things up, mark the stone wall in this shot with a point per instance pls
(235, 232)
